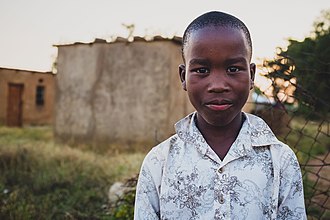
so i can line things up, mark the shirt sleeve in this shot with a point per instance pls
(147, 190)
(291, 195)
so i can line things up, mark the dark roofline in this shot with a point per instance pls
(31, 71)
(175, 39)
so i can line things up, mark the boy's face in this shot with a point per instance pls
(217, 74)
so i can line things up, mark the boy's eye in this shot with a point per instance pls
(233, 69)
(202, 70)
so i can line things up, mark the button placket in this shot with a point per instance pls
(221, 197)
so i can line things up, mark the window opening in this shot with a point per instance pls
(40, 96)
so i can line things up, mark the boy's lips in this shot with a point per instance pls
(219, 105)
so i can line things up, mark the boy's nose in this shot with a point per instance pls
(218, 82)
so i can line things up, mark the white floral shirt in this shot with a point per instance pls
(183, 178)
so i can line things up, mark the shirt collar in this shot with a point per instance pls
(254, 133)
(260, 133)
(188, 132)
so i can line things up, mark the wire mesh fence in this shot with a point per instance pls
(301, 119)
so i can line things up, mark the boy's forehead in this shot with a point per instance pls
(212, 33)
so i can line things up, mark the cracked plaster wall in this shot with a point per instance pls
(119, 93)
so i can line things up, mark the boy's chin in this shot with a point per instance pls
(221, 121)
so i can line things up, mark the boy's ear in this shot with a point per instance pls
(182, 73)
(252, 74)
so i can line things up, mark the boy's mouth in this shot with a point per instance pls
(219, 105)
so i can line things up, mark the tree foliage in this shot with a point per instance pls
(305, 66)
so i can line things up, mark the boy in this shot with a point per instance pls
(222, 163)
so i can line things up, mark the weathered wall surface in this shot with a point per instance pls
(119, 92)
(31, 113)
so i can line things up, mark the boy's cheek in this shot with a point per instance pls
(194, 79)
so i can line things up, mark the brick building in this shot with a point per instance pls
(26, 97)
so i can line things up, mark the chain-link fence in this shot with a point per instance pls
(301, 119)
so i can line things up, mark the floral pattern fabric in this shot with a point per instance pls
(183, 178)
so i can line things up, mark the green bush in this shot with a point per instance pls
(124, 207)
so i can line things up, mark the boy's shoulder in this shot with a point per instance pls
(261, 133)
(162, 149)
(158, 155)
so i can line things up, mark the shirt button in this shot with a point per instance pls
(221, 199)
(220, 170)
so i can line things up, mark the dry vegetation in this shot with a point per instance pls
(43, 180)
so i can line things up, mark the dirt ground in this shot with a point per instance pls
(319, 178)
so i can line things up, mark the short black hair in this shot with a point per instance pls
(216, 19)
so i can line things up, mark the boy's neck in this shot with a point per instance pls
(220, 138)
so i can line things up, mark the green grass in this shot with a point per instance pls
(42, 180)
(16, 135)
(307, 138)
